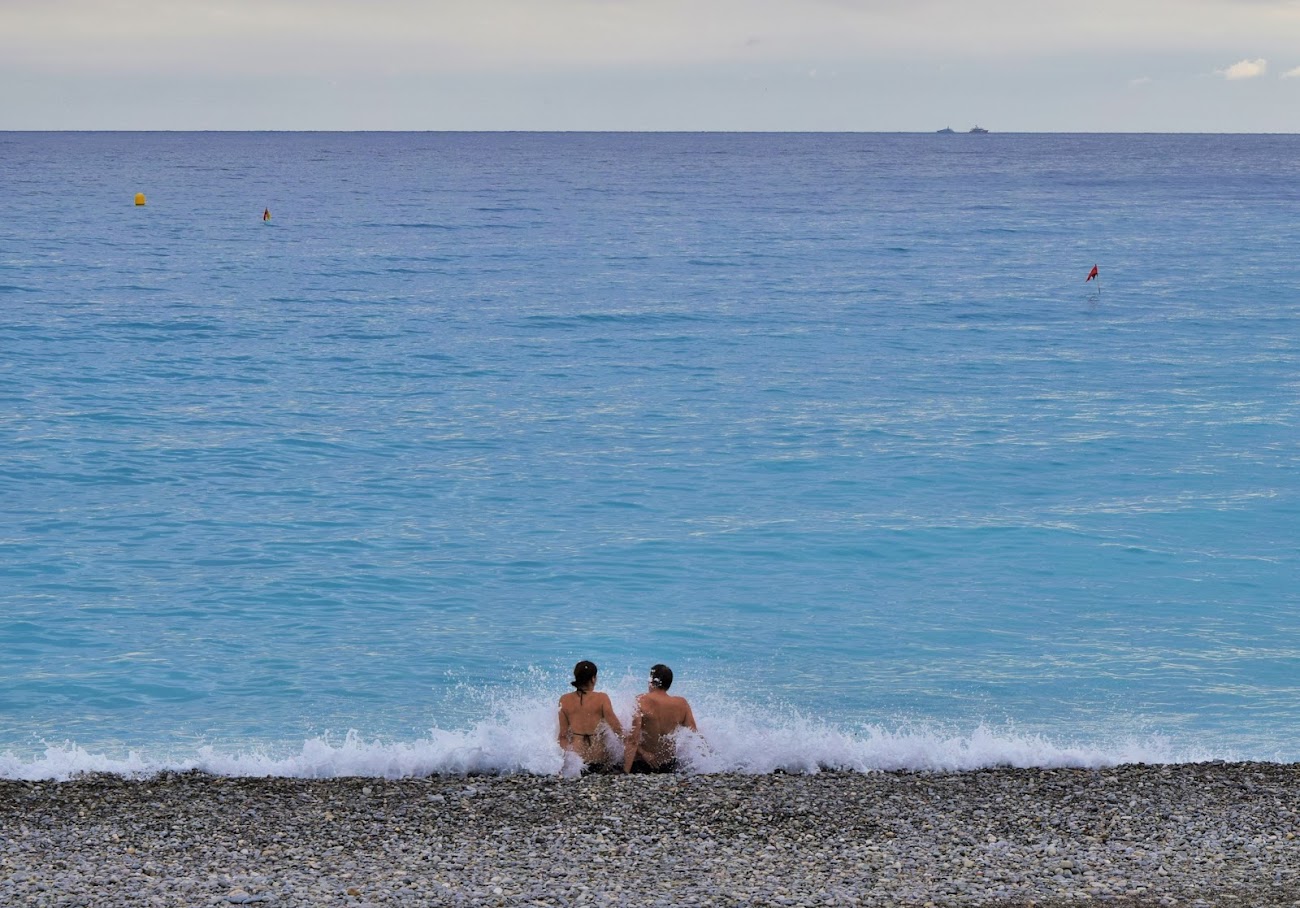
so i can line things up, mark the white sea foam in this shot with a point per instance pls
(519, 737)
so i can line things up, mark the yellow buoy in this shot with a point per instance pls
(139, 198)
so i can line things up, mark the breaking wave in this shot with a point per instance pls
(519, 737)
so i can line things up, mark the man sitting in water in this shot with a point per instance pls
(650, 745)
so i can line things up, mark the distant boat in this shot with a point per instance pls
(978, 130)
(946, 131)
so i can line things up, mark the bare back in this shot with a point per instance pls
(582, 713)
(658, 717)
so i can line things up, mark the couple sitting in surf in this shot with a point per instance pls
(587, 718)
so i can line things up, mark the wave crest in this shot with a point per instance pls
(520, 737)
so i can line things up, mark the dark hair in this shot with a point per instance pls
(661, 676)
(583, 673)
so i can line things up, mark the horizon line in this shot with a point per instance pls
(507, 131)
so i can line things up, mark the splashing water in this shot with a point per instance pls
(520, 737)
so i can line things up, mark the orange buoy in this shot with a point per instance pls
(139, 198)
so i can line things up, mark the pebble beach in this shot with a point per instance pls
(1211, 834)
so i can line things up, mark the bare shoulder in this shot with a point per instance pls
(567, 700)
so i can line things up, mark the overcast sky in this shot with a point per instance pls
(868, 65)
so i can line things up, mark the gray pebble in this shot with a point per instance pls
(1216, 834)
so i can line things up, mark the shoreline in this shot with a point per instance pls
(1218, 834)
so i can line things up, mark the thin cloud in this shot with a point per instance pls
(1244, 69)
(1139, 81)
(299, 38)
(1292, 73)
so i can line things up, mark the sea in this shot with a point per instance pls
(333, 457)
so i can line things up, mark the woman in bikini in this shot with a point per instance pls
(584, 716)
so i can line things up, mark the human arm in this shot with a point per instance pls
(689, 719)
(565, 739)
(633, 742)
(610, 717)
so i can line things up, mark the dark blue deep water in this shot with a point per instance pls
(832, 424)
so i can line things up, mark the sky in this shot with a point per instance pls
(802, 65)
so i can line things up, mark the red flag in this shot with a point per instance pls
(1091, 274)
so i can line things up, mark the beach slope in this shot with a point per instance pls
(1193, 834)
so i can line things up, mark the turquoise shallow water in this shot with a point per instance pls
(830, 423)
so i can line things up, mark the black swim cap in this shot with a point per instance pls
(583, 673)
